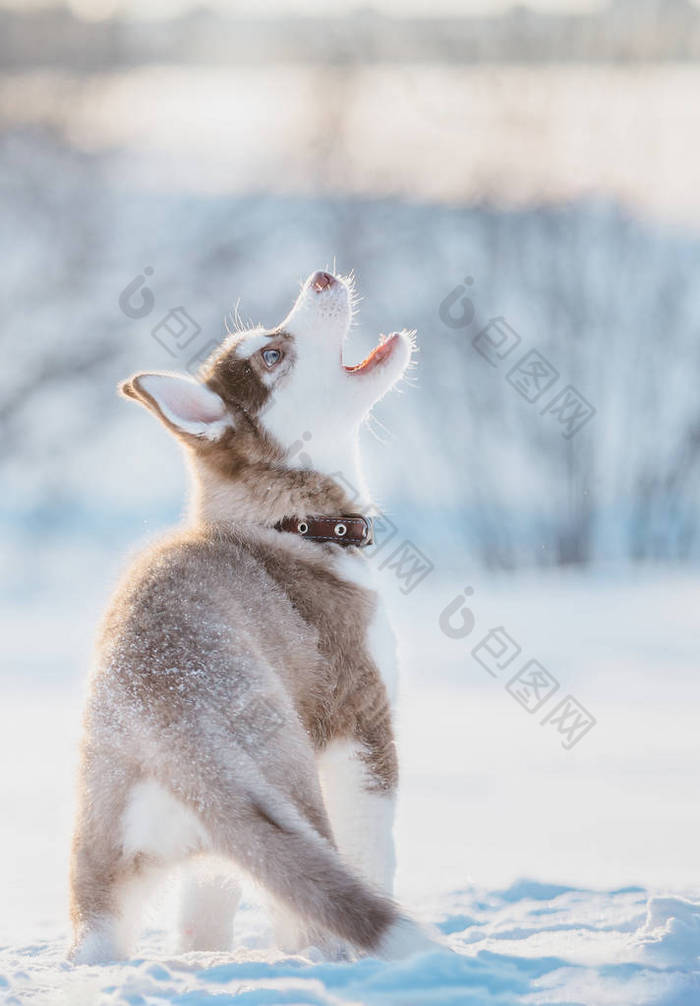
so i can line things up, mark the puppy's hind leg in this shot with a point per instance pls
(128, 831)
(105, 879)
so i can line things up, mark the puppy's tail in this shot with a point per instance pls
(258, 826)
(302, 869)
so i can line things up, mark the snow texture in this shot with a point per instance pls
(529, 943)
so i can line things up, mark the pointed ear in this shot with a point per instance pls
(187, 408)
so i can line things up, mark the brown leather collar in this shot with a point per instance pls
(348, 529)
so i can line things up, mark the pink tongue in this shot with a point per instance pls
(379, 353)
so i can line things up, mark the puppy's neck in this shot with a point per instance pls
(264, 493)
(338, 460)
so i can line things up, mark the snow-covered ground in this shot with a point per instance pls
(606, 833)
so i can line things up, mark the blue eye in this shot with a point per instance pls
(271, 357)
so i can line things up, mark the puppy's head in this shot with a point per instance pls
(264, 390)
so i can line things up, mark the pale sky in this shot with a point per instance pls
(167, 8)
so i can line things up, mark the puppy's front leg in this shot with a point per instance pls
(360, 803)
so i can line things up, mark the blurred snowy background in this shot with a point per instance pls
(490, 173)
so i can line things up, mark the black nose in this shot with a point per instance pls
(321, 280)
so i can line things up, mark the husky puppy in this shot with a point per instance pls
(240, 705)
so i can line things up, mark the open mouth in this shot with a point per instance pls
(381, 352)
(329, 289)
